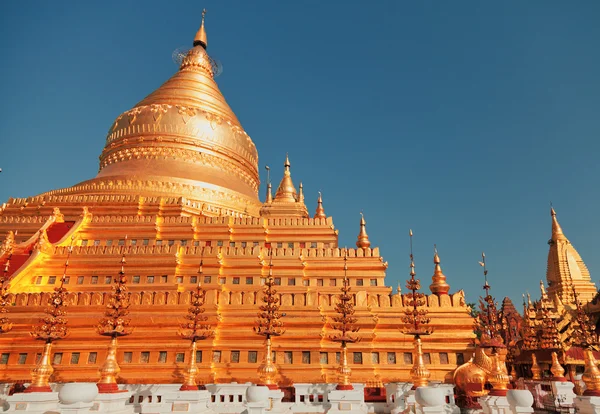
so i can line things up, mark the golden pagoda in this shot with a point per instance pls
(178, 185)
(566, 270)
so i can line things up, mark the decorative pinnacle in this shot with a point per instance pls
(287, 164)
(486, 286)
(415, 316)
(439, 285)
(269, 194)
(200, 39)
(412, 261)
(200, 272)
(300, 193)
(557, 233)
(320, 213)
(363, 239)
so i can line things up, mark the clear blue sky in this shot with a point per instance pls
(461, 120)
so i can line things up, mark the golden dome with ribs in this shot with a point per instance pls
(182, 140)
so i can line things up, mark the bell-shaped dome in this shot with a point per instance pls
(182, 140)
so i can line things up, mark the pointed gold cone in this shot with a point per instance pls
(363, 239)
(439, 285)
(344, 371)
(591, 374)
(557, 370)
(200, 39)
(286, 190)
(557, 233)
(267, 371)
(320, 212)
(41, 374)
(109, 370)
(419, 374)
(191, 371)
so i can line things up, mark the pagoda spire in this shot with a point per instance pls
(286, 190)
(200, 39)
(566, 270)
(439, 285)
(269, 198)
(363, 239)
(287, 202)
(301, 193)
(320, 213)
(557, 233)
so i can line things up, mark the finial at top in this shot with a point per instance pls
(557, 233)
(412, 258)
(363, 239)
(200, 39)
(269, 198)
(300, 193)
(486, 286)
(320, 213)
(286, 191)
(439, 285)
(543, 290)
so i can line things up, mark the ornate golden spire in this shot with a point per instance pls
(269, 198)
(52, 328)
(566, 269)
(320, 213)
(114, 324)
(200, 39)
(286, 190)
(439, 285)
(363, 239)
(557, 233)
(300, 193)
(345, 324)
(269, 324)
(196, 329)
(417, 320)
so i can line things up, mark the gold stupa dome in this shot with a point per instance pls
(182, 140)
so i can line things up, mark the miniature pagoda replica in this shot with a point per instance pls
(179, 175)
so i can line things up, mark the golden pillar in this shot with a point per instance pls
(419, 374)
(536, 370)
(41, 374)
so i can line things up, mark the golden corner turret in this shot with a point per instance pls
(286, 203)
(439, 285)
(362, 240)
(182, 140)
(566, 270)
(320, 212)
